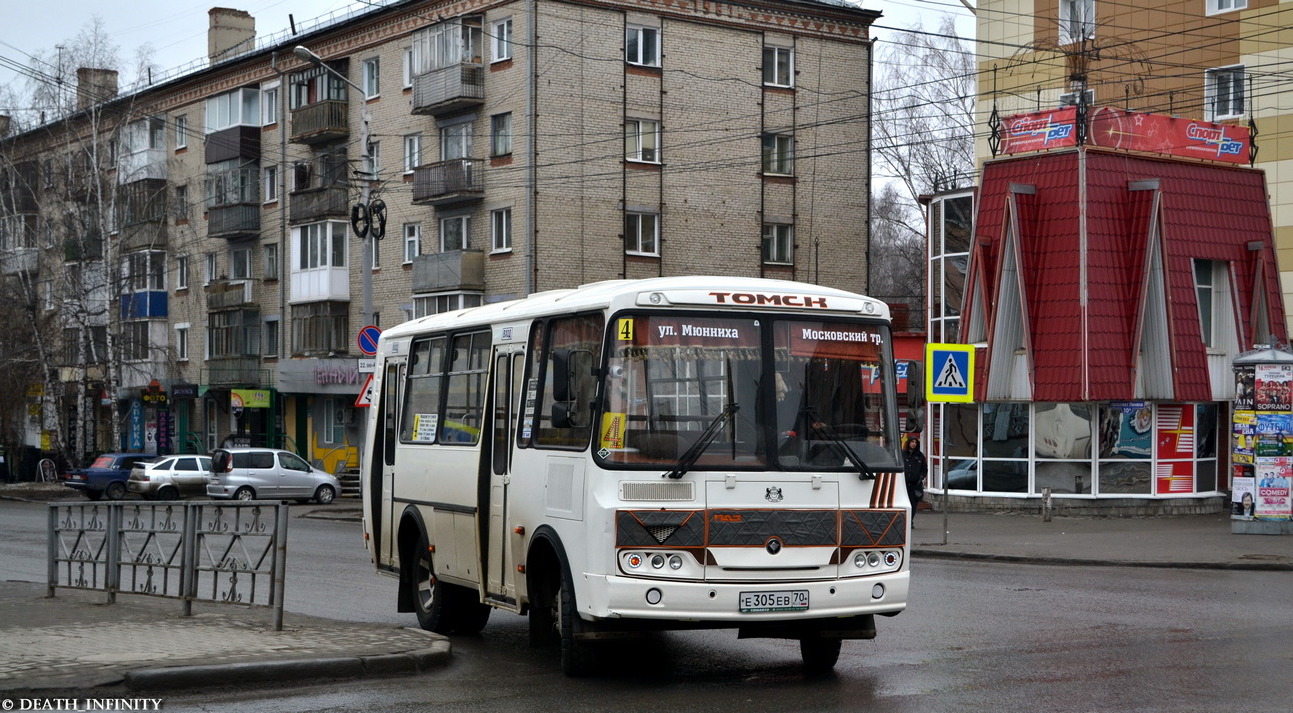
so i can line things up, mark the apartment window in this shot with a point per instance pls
(233, 333)
(240, 264)
(642, 233)
(1225, 93)
(455, 141)
(1219, 6)
(270, 342)
(371, 77)
(181, 203)
(270, 254)
(447, 43)
(374, 159)
(212, 268)
(241, 107)
(182, 272)
(270, 182)
(501, 42)
(407, 66)
(778, 66)
(181, 132)
(412, 152)
(642, 140)
(1211, 288)
(500, 230)
(1077, 21)
(412, 241)
(232, 182)
(500, 134)
(182, 342)
(269, 104)
(134, 337)
(322, 245)
(642, 46)
(426, 305)
(143, 271)
(453, 233)
(778, 154)
(778, 243)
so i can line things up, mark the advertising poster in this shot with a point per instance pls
(1126, 429)
(1274, 434)
(1274, 387)
(1174, 438)
(1245, 382)
(1243, 498)
(1245, 434)
(1273, 478)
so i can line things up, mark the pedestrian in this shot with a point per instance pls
(914, 468)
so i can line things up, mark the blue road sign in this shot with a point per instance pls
(368, 339)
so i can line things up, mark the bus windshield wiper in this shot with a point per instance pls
(819, 427)
(707, 437)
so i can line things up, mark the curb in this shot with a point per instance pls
(1075, 562)
(402, 664)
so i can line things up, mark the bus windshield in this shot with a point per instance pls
(798, 393)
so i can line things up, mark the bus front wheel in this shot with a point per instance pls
(820, 655)
(428, 593)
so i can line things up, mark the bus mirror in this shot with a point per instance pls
(572, 372)
(915, 384)
(568, 414)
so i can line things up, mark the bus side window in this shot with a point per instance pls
(421, 420)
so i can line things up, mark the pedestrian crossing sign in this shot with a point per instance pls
(949, 375)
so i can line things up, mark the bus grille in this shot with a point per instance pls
(678, 491)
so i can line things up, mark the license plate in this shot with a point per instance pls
(786, 600)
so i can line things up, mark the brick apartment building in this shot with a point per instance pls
(188, 248)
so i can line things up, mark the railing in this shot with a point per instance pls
(231, 553)
(312, 204)
(228, 295)
(233, 221)
(450, 88)
(453, 181)
(321, 121)
(237, 371)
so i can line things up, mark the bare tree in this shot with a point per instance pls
(924, 110)
(897, 260)
(52, 80)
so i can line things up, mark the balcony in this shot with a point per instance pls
(144, 165)
(320, 122)
(315, 204)
(454, 270)
(447, 183)
(239, 220)
(227, 294)
(149, 304)
(449, 89)
(240, 143)
(236, 371)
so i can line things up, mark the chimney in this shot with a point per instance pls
(230, 33)
(94, 86)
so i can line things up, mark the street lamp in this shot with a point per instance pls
(366, 269)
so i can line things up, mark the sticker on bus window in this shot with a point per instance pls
(613, 430)
(624, 330)
(424, 427)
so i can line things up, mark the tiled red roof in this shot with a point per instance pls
(1084, 289)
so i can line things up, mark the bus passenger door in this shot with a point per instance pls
(381, 508)
(500, 564)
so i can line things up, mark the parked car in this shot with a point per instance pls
(170, 477)
(107, 475)
(268, 474)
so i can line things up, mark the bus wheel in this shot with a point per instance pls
(820, 655)
(543, 616)
(429, 594)
(577, 657)
(470, 615)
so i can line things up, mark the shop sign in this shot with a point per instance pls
(1134, 131)
(336, 374)
(253, 398)
(184, 391)
(154, 394)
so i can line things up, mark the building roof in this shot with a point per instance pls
(1097, 243)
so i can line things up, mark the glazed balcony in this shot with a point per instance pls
(453, 270)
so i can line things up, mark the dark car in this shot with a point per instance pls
(107, 475)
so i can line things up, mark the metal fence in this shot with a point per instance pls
(233, 553)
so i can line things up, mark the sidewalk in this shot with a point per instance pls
(74, 641)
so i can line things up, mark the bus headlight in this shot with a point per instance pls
(675, 562)
(657, 561)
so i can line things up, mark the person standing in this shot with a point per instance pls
(914, 468)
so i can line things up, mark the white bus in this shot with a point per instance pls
(643, 455)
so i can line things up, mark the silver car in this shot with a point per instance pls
(268, 474)
(170, 477)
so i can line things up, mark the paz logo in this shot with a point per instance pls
(772, 495)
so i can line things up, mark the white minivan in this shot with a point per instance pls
(268, 474)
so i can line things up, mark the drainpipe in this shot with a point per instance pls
(283, 324)
(531, 171)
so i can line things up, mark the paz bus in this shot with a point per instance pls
(643, 455)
